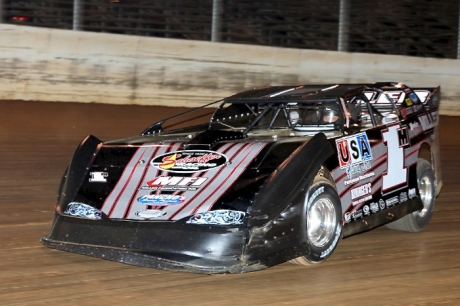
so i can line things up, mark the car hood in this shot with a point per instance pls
(171, 177)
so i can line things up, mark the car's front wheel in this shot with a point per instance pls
(323, 220)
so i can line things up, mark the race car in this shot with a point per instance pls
(279, 173)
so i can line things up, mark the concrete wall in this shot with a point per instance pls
(57, 65)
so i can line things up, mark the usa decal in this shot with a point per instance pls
(188, 161)
(354, 152)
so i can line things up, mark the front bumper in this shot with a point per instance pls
(162, 245)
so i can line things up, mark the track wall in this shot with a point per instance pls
(58, 65)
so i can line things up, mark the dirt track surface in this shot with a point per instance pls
(381, 267)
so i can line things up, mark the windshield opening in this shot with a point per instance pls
(297, 116)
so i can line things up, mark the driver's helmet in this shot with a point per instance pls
(330, 114)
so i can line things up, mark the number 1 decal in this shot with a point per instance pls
(395, 138)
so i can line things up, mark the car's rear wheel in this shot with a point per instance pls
(323, 219)
(418, 220)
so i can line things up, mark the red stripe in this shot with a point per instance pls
(124, 186)
(226, 179)
(375, 165)
(139, 183)
(210, 181)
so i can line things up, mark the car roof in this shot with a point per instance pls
(305, 93)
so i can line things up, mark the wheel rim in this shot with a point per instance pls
(426, 195)
(321, 222)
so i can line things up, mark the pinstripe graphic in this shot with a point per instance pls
(229, 180)
(377, 164)
(231, 153)
(376, 187)
(154, 172)
(116, 203)
(131, 168)
(375, 180)
(229, 150)
(130, 210)
(220, 180)
(379, 167)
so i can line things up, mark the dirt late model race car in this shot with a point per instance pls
(278, 174)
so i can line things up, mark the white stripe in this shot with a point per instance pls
(205, 200)
(151, 172)
(205, 189)
(127, 172)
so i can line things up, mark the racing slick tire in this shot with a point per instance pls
(418, 220)
(323, 219)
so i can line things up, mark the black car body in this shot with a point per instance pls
(278, 174)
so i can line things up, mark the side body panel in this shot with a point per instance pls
(375, 172)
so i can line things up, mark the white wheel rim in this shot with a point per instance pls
(321, 222)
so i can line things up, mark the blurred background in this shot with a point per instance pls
(423, 28)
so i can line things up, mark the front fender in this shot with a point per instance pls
(295, 174)
(276, 223)
(77, 171)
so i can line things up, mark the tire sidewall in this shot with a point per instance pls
(322, 188)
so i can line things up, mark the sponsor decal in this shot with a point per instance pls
(362, 193)
(174, 183)
(392, 201)
(408, 102)
(416, 108)
(161, 199)
(413, 97)
(412, 193)
(404, 113)
(98, 177)
(189, 161)
(428, 121)
(351, 170)
(150, 213)
(315, 194)
(366, 210)
(347, 217)
(382, 204)
(413, 109)
(357, 214)
(403, 197)
(415, 126)
(374, 207)
(354, 153)
(359, 178)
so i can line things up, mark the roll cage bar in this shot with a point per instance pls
(347, 103)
